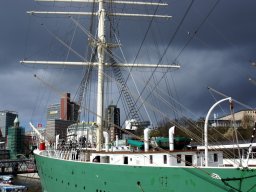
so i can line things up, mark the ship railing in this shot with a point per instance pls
(49, 153)
(44, 153)
(71, 154)
(63, 154)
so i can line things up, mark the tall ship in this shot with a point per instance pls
(106, 157)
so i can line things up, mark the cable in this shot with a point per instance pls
(197, 30)
(165, 51)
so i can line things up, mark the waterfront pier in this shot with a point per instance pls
(18, 166)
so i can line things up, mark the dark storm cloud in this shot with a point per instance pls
(218, 70)
(236, 22)
(230, 24)
(21, 36)
(14, 23)
(217, 56)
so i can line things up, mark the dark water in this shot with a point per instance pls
(33, 184)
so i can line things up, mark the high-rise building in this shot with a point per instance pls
(53, 112)
(65, 110)
(15, 141)
(65, 106)
(113, 122)
(6, 120)
(57, 127)
(74, 109)
(60, 116)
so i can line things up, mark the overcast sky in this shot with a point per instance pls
(218, 55)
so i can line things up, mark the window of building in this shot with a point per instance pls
(165, 159)
(179, 158)
(151, 159)
(215, 157)
(188, 160)
(125, 160)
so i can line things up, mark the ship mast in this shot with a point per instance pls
(101, 55)
(102, 45)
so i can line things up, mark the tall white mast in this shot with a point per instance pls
(101, 55)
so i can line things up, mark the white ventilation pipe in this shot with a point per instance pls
(146, 139)
(106, 137)
(57, 141)
(171, 138)
(117, 143)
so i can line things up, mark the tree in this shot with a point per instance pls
(247, 121)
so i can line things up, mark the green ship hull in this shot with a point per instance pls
(76, 176)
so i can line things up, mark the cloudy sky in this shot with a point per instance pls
(214, 46)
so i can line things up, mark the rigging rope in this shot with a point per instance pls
(196, 31)
(223, 95)
(250, 147)
(161, 58)
(191, 133)
(235, 131)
